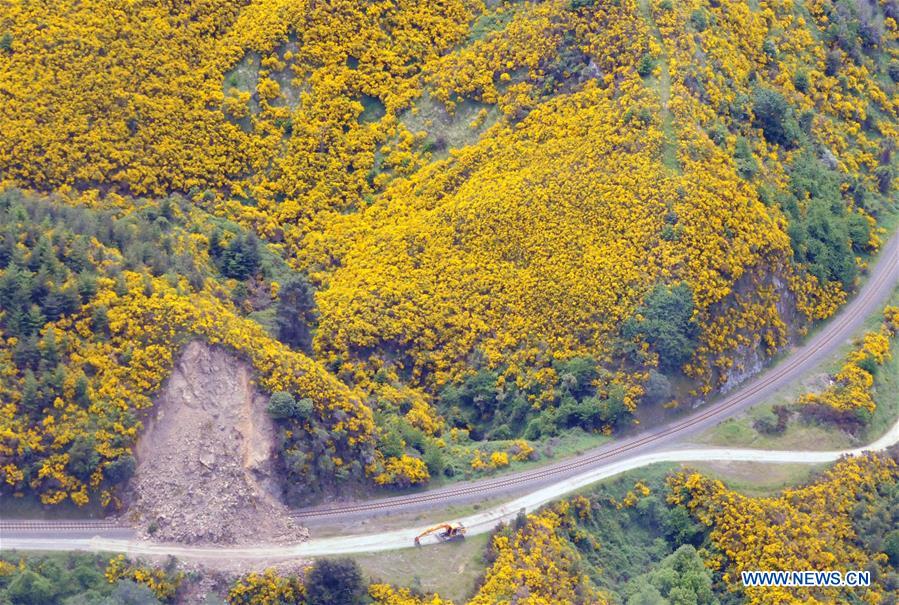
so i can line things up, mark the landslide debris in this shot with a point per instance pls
(205, 461)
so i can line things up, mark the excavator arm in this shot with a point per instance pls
(449, 532)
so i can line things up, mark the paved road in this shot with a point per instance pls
(536, 486)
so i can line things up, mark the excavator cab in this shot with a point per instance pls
(445, 532)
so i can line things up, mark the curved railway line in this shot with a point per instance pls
(539, 485)
(877, 289)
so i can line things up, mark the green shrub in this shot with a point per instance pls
(700, 19)
(645, 65)
(665, 321)
(335, 582)
(283, 406)
(775, 117)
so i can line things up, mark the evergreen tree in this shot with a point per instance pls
(49, 350)
(215, 245)
(31, 396)
(296, 314)
(82, 393)
(86, 286)
(27, 354)
(34, 320)
(100, 321)
(241, 258)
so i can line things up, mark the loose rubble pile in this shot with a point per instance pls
(205, 464)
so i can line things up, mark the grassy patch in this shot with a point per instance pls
(489, 23)
(448, 131)
(886, 387)
(758, 479)
(572, 442)
(450, 569)
(373, 109)
(800, 434)
(662, 84)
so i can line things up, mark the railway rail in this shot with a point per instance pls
(598, 463)
(877, 289)
(60, 525)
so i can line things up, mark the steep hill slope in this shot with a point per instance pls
(436, 227)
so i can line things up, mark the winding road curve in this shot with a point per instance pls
(531, 488)
(396, 539)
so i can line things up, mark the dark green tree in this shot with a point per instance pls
(665, 321)
(31, 396)
(296, 314)
(283, 406)
(27, 354)
(34, 321)
(82, 391)
(215, 244)
(241, 258)
(49, 350)
(83, 457)
(775, 117)
(335, 582)
(100, 321)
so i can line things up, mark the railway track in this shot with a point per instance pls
(883, 279)
(88, 525)
(834, 332)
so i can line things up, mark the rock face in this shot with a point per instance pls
(205, 461)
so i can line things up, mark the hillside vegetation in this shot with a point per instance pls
(435, 229)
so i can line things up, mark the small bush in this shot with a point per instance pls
(121, 469)
(700, 19)
(645, 65)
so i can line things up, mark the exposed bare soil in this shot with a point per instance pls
(205, 461)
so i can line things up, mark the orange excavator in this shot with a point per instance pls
(447, 532)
